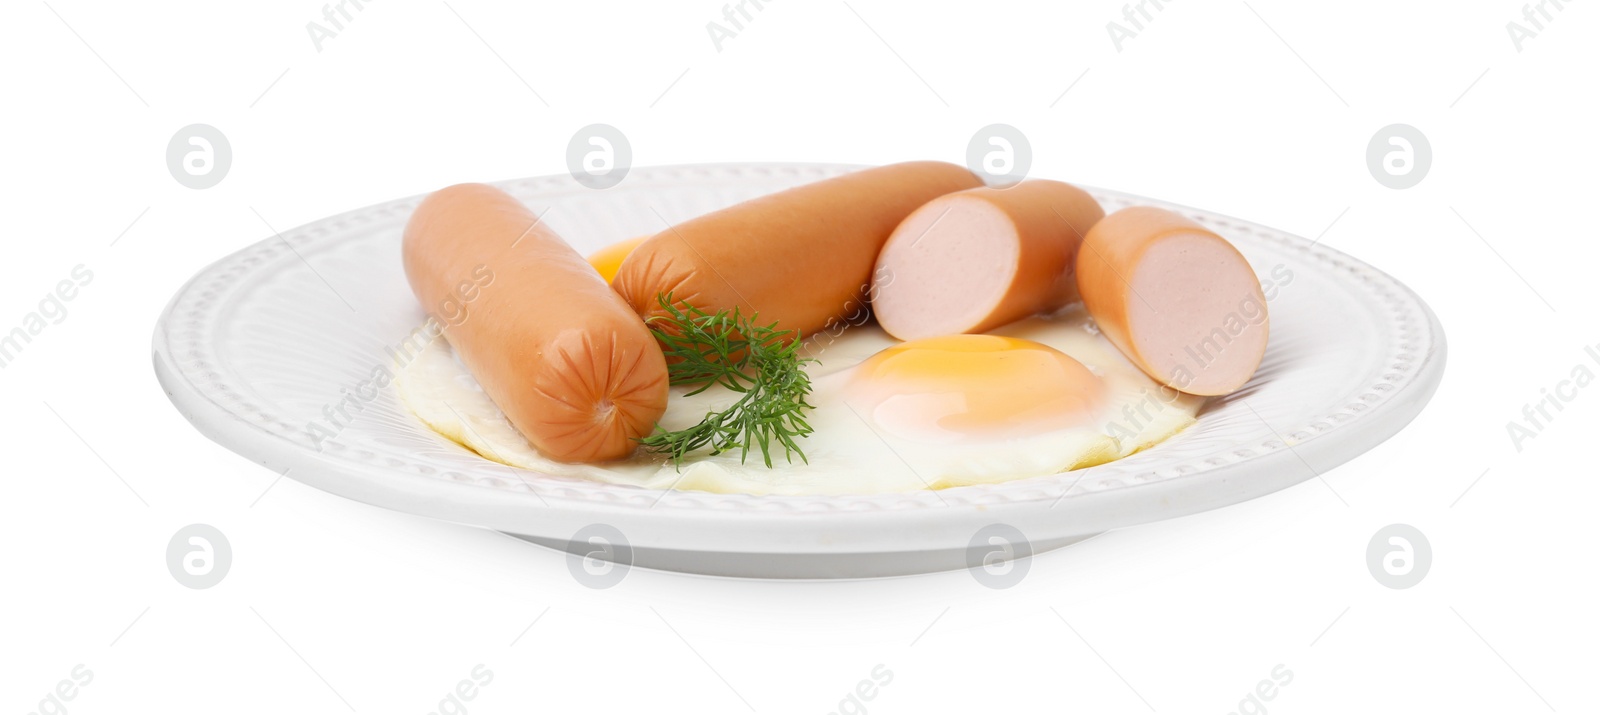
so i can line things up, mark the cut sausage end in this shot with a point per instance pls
(945, 268)
(801, 257)
(1197, 317)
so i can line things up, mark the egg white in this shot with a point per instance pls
(846, 454)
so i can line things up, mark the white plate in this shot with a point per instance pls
(256, 346)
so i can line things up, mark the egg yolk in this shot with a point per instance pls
(609, 259)
(975, 388)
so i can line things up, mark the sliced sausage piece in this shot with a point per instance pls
(801, 257)
(978, 259)
(569, 363)
(1179, 300)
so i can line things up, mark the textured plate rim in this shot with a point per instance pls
(1382, 416)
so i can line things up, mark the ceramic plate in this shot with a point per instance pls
(265, 343)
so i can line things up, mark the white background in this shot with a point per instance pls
(333, 606)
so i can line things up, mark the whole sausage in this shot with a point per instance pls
(801, 257)
(1180, 301)
(977, 259)
(572, 367)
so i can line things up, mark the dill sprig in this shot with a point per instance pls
(731, 350)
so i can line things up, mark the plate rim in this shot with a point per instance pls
(445, 498)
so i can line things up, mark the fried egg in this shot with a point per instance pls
(1040, 396)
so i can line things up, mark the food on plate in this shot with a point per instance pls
(984, 421)
(982, 365)
(977, 259)
(1180, 301)
(607, 260)
(569, 364)
(732, 351)
(799, 257)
